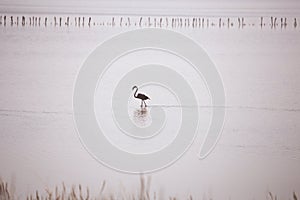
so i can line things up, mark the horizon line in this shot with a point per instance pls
(145, 11)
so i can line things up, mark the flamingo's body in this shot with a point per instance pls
(140, 96)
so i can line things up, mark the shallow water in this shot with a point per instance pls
(259, 148)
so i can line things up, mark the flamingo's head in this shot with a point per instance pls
(134, 87)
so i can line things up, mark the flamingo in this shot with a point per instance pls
(140, 96)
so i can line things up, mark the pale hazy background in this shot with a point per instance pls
(145, 7)
(259, 149)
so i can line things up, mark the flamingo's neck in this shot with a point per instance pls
(135, 95)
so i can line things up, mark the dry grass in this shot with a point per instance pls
(80, 193)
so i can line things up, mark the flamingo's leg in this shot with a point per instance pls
(142, 104)
(145, 104)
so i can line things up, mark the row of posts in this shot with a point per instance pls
(273, 22)
(38, 21)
